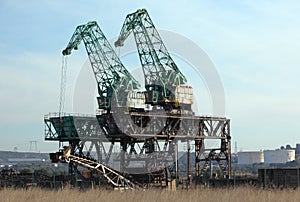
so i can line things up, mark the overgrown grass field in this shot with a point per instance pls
(242, 194)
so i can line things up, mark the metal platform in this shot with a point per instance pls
(153, 143)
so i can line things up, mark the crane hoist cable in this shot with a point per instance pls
(63, 83)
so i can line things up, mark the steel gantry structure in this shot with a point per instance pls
(155, 155)
(143, 143)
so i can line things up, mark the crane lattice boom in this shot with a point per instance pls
(161, 73)
(112, 77)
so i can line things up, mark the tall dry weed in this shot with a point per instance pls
(242, 194)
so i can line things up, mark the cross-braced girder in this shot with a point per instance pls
(112, 77)
(160, 71)
(153, 145)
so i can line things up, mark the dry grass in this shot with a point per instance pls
(240, 194)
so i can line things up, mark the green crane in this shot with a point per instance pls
(113, 79)
(161, 73)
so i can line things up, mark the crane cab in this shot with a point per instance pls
(136, 101)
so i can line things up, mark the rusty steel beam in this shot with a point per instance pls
(149, 143)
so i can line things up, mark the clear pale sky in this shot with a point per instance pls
(253, 44)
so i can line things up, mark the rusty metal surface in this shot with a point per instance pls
(151, 143)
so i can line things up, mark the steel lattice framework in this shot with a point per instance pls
(115, 178)
(112, 77)
(154, 144)
(159, 68)
(147, 138)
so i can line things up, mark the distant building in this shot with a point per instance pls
(297, 149)
(279, 156)
(248, 158)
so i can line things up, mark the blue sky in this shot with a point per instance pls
(253, 44)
